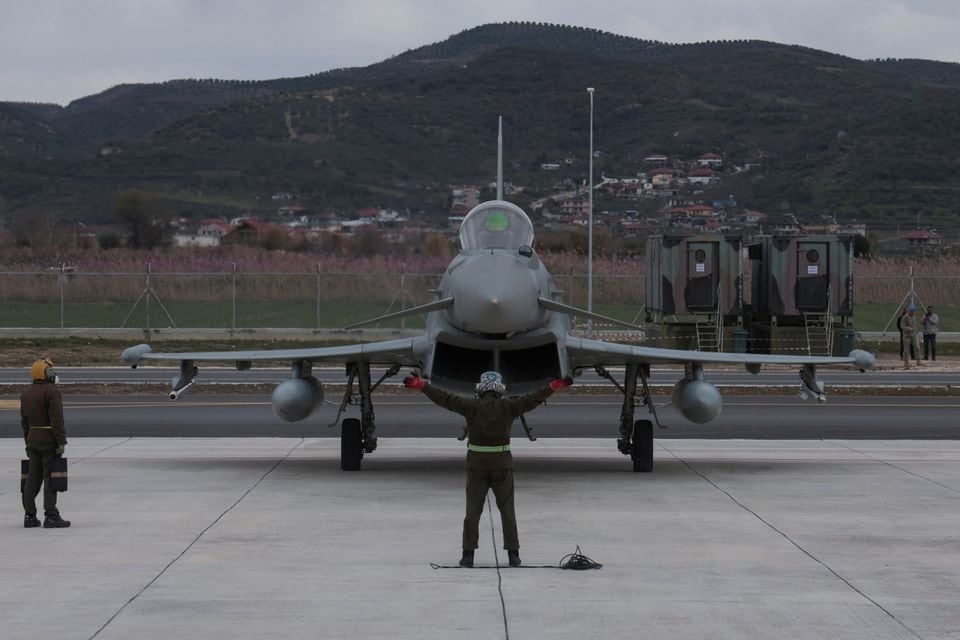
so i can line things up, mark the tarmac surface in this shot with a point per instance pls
(268, 538)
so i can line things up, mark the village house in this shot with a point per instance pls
(194, 240)
(249, 231)
(710, 160)
(214, 227)
(922, 238)
(663, 177)
(575, 207)
(703, 175)
(464, 199)
(753, 217)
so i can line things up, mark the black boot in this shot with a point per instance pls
(514, 558)
(30, 521)
(467, 559)
(55, 522)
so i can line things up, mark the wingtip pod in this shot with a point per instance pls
(863, 360)
(132, 355)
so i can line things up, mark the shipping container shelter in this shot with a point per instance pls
(801, 294)
(694, 289)
(694, 274)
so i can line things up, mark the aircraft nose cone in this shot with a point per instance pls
(494, 293)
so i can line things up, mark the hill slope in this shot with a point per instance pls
(868, 139)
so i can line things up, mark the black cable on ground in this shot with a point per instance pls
(575, 561)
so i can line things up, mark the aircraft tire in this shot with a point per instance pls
(351, 444)
(642, 454)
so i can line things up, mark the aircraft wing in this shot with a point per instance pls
(585, 352)
(403, 351)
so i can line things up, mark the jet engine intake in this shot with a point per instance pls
(698, 400)
(295, 399)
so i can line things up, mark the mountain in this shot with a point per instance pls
(873, 140)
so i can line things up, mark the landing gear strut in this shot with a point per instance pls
(636, 437)
(357, 437)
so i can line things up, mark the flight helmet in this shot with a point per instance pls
(491, 381)
(42, 370)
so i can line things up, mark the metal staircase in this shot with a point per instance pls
(708, 339)
(819, 329)
(710, 330)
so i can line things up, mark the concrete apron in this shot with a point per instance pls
(255, 538)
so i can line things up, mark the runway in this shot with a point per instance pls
(409, 414)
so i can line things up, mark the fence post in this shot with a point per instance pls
(318, 296)
(403, 293)
(233, 298)
(148, 290)
(62, 284)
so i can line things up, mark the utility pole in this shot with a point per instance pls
(590, 224)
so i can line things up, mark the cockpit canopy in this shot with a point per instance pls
(496, 225)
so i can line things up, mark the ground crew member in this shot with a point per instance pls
(489, 461)
(41, 416)
(911, 346)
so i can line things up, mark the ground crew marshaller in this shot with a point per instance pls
(41, 416)
(489, 462)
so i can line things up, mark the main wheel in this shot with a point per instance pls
(351, 444)
(642, 446)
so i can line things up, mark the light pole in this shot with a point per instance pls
(590, 224)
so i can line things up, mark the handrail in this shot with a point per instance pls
(719, 321)
(828, 320)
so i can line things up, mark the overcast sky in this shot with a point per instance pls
(61, 50)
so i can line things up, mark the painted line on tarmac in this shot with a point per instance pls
(138, 405)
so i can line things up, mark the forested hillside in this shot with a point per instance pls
(823, 133)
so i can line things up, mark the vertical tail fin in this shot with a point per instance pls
(500, 158)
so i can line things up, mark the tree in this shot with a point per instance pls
(274, 240)
(43, 232)
(369, 241)
(142, 216)
(437, 246)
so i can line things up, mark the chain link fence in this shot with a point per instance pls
(236, 300)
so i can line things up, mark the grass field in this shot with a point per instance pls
(303, 314)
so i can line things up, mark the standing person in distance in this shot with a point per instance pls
(911, 346)
(931, 327)
(903, 352)
(489, 463)
(41, 416)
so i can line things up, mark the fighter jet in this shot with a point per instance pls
(497, 308)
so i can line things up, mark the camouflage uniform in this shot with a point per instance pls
(489, 463)
(41, 417)
(911, 348)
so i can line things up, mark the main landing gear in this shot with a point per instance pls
(636, 437)
(358, 436)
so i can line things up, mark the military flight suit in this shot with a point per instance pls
(41, 416)
(489, 462)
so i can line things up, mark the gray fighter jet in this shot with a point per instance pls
(497, 309)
